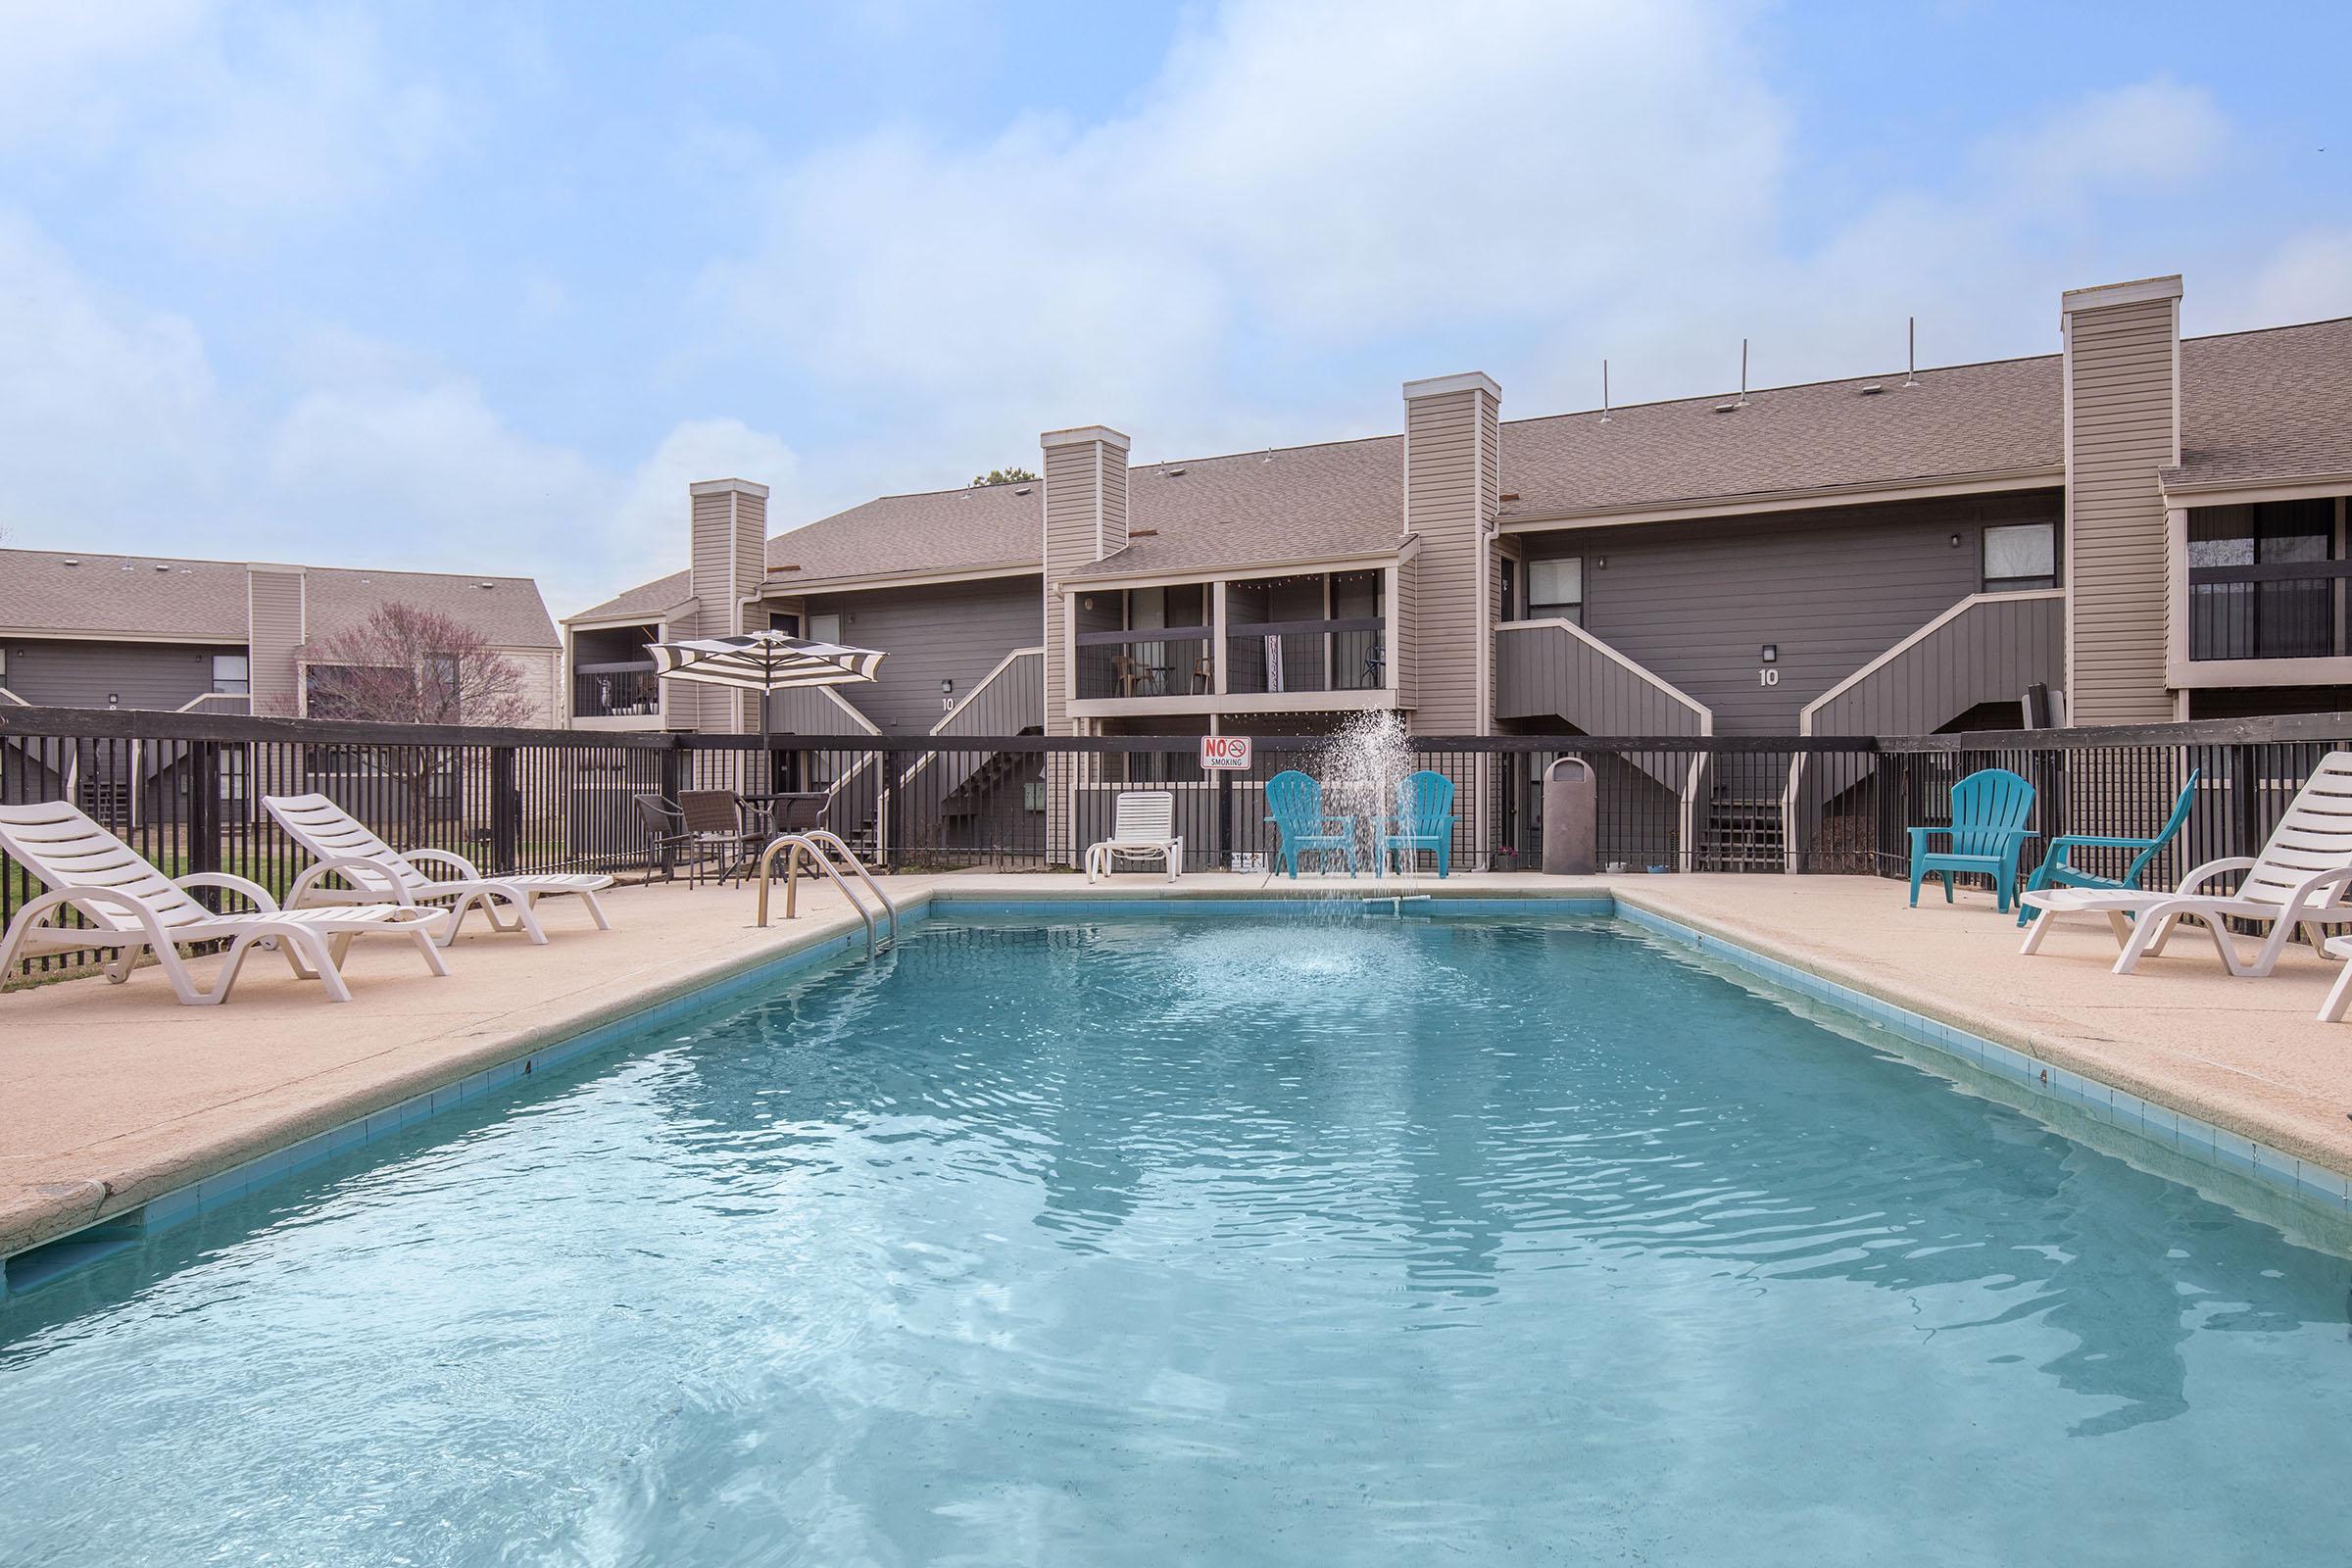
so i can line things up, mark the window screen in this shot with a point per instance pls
(2021, 554)
(1555, 589)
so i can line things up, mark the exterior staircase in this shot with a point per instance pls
(1988, 647)
(1554, 671)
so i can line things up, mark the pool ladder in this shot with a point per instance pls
(814, 844)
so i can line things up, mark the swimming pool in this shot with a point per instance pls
(1161, 1239)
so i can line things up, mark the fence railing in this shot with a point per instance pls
(611, 691)
(184, 789)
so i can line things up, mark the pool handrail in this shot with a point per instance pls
(815, 841)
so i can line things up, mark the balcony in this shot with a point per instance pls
(1154, 662)
(2287, 611)
(2263, 598)
(621, 690)
(1273, 656)
(1303, 642)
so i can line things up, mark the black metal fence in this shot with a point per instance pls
(185, 790)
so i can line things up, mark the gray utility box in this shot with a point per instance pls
(1570, 808)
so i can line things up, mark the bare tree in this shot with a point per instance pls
(408, 664)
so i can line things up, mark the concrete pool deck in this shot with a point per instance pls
(112, 1095)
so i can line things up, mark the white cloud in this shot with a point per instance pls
(97, 394)
(227, 121)
(2308, 278)
(304, 115)
(2151, 134)
(119, 438)
(1299, 176)
(1306, 203)
(647, 523)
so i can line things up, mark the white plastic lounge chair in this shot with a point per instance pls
(374, 872)
(2297, 884)
(134, 909)
(2340, 994)
(1143, 828)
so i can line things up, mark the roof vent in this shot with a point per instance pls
(485, 585)
(162, 567)
(1727, 408)
(1171, 473)
(1021, 490)
(1871, 389)
(71, 560)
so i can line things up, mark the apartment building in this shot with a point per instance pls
(2135, 528)
(84, 629)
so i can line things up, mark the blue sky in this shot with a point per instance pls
(483, 288)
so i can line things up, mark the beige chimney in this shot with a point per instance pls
(1086, 519)
(729, 559)
(1452, 492)
(2123, 424)
(276, 626)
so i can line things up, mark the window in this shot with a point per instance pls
(2263, 581)
(1555, 589)
(784, 621)
(232, 675)
(2021, 554)
(824, 628)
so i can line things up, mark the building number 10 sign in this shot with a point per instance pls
(1225, 753)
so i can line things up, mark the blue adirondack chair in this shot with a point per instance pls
(1297, 801)
(1423, 820)
(2054, 872)
(1988, 828)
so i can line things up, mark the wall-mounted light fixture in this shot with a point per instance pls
(1771, 654)
(1955, 540)
(946, 688)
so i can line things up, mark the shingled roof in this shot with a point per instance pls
(2254, 404)
(2266, 408)
(83, 593)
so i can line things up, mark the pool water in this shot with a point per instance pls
(1218, 1241)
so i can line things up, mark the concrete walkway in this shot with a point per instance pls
(111, 1096)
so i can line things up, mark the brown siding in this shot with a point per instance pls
(1404, 657)
(1084, 480)
(85, 674)
(1543, 671)
(1012, 703)
(1989, 652)
(809, 712)
(945, 631)
(729, 557)
(2120, 384)
(1451, 493)
(1694, 602)
(276, 627)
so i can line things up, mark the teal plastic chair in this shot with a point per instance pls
(2054, 872)
(1297, 801)
(1988, 828)
(1423, 820)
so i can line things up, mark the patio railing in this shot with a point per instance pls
(184, 789)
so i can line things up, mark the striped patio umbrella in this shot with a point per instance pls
(763, 661)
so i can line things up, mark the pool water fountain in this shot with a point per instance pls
(1361, 772)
